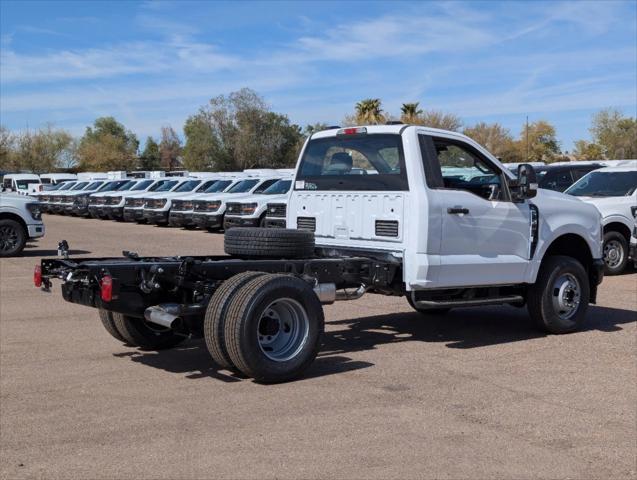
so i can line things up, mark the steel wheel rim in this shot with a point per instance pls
(8, 238)
(283, 329)
(566, 296)
(613, 253)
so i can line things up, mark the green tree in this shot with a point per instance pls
(542, 142)
(588, 151)
(202, 150)
(40, 151)
(150, 158)
(107, 145)
(7, 149)
(492, 136)
(369, 112)
(410, 113)
(615, 134)
(170, 149)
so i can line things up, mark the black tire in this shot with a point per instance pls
(244, 333)
(138, 333)
(13, 237)
(109, 324)
(253, 242)
(545, 293)
(615, 258)
(216, 314)
(426, 311)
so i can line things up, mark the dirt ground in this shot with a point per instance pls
(477, 393)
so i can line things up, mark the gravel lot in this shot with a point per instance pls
(478, 393)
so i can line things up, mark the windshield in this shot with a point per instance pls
(166, 186)
(204, 186)
(24, 184)
(281, 186)
(605, 184)
(353, 162)
(218, 186)
(80, 186)
(141, 185)
(187, 186)
(243, 186)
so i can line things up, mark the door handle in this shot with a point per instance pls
(457, 210)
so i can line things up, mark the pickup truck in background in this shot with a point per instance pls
(613, 190)
(20, 220)
(251, 211)
(436, 219)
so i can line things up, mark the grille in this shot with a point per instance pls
(113, 200)
(306, 223)
(386, 228)
(181, 205)
(101, 200)
(130, 202)
(205, 206)
(233, 208)
(276, 210)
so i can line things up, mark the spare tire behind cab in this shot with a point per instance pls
(268, 243)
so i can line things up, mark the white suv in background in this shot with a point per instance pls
(613, 190)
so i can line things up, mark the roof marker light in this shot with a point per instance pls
(352, 131)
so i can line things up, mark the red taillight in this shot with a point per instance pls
(352, 131)
(106, 288)
(37, 276)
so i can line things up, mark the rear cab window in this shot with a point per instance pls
(357, 162)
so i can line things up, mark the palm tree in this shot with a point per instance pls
(369, 112)
(410, 113)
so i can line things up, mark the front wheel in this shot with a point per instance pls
(558, 300)
(615, 253)
(13, 237)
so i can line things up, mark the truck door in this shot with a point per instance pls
(484, 236)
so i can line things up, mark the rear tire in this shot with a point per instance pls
(274, 327)
(13, 238)
(558, 300)
(216, 314)
(615, 253)
(255, 242)
(138, 333)
(109, 325)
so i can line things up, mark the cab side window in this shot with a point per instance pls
(462, 168)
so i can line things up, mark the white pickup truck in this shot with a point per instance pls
(613, 190)
(437, 219)
(20, 220)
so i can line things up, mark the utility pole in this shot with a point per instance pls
(527, 138)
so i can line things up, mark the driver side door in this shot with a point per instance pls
(484, 236)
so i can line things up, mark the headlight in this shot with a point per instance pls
(213, 206)
(34, 210)
(248, 208)
(115, 200)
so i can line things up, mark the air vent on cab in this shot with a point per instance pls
(306, 223)
(387, 228)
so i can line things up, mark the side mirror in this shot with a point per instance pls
(525, 186)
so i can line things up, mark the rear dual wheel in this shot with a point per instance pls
(267, 326)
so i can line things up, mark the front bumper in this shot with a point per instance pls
(115, 213)
(96, 211)
(229, 222)
(207, 221)
(156, 216)
(133, 214)
(73, 209)
(36, 230)
(180, 219)
(274, 223)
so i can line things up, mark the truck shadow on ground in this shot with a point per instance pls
(32, 251)
(463, 328)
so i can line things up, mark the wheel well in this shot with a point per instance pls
(13, 216)
(618, 227)
(571, 245)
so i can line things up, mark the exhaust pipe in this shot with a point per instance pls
(166, 315)
(327, 293)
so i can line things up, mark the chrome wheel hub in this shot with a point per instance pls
(566, 296)
(613, 253)
(283, 329)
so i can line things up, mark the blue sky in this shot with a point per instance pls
(154, 63)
